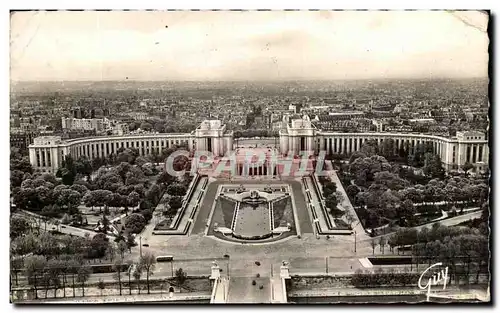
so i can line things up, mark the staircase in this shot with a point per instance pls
(242, 289)
(220, 290)
(235, 215)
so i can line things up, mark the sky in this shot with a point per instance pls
(238, 45)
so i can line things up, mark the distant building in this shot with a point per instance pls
(70, 123)
(138, 116)
(379, 125)
(422, 121)
(347, 115)
(19, 140)
(298, 134)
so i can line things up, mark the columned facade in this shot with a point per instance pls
(47, 153)
(296, 137)
(469, 146)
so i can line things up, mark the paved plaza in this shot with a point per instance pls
(306, 253)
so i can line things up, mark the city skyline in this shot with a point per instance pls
(252, 46)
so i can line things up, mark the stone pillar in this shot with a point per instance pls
(54, 158)
(190, 144)
(216, 146)
(32, 152)
(284, 271)
(215, 273)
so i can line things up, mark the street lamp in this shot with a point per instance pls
(355, 241)
(140, 246)
(355, 236)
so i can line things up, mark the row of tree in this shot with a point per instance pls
(381, 278)
(67, 271)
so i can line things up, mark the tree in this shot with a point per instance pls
(50, 211)
(54, 269)
(121, 248)
(355, 155)
(133, 199)
(467, 167)
(19, 162)
(137, 273)
(130, 268)
(153, 194)
(130, 241)
(331, 202)
(180, 276)
(146, 126)
(67, 171)
(33, 267)
(47, 245)
(433, 166)
(373, 243)
(105, 221)
(102, 286)
(350, 218)
(329, 188)
(98, 246)
(18, 226)
(83, 275)
(134, 223)
(110, 252)
(147, 263)
(16, 178)
(83, 166)
(175, 203)
(387, 148)
(177, 190)
(406, 211)
(69, 199)
(382, 242)
(159, 127)
(89, 200)
(369, 147)
(118, 269)
(100, 197)
(352, 191)
(165, 179)
(16, 265)
(390, 180)
(22, 245)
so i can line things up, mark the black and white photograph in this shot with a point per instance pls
(249, 157)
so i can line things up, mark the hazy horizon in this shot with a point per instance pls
(225, 46)
(256, 80)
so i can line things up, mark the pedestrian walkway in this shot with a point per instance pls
(278, 290)
(164, 297)
(346, 203)
(220, 291)
(242, 290)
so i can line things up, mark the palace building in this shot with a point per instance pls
(296, 136)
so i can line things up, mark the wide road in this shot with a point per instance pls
(452, 221)
(65, 229)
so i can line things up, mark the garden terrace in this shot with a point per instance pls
(185, 220)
